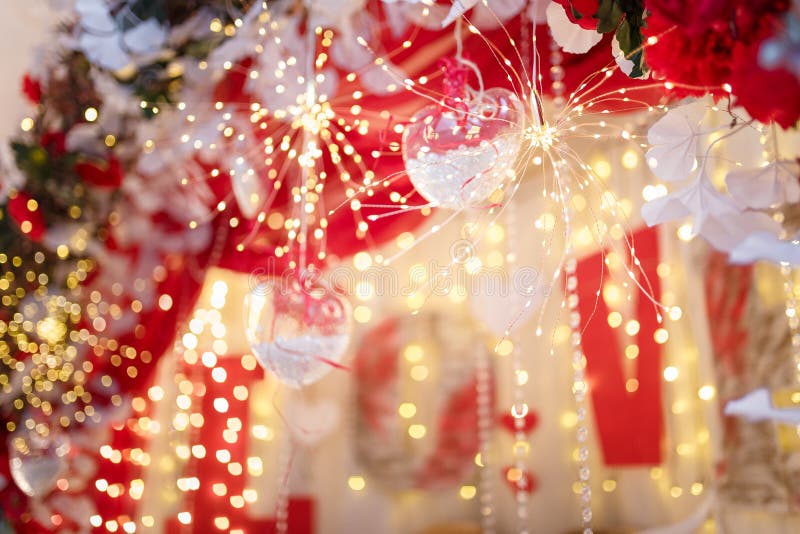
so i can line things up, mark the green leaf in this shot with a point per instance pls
(630, 38)
(608, 14)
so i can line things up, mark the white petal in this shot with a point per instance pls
(458, 8)
(671, 207)
(673, 139)
(766, 246)
(146, 37)
(84, 137)
(773, 184)
(569, 36)
(395, 18)
(718, 218)
(104, 51)
(757, 406)
(726, 231)
(625, 64)
(95, 16)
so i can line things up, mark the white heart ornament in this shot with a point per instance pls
(457, 156)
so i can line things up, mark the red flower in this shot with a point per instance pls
(54, 142)
(767, 95)
(32, 89)
(581, 12)
(703, 61)
(717, 43)
(106, 174)
(692, 16)
(30, 221)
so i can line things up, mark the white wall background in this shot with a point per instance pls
(23, 25)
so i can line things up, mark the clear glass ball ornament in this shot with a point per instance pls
(298, 330)
(456, 157)
(37, 461)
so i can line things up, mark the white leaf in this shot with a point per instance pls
(757, 406)
(146, 37)
(671, 207)
(726, 231)
(570, 37)
(458, 8)
(104, 51)
(625, 64)
(766, 246)
(773, 184)
(95, 17)
(395, 18)
(83, 137)
(716, 217)
(673, 141)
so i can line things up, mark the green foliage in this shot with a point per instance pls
(626, 19)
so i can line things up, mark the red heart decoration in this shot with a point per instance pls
(529, 422)
(519, 480)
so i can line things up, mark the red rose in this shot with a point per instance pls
(703, 61)
(724, 52)
(767, 95)
(30, 221)
(692, 16)
(106, 174)
(32, 89)
(581, 12)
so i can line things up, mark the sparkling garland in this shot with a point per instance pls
(520, 409)
(483, 390)
(579, 391)
(571, 298)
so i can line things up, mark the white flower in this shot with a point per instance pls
(105, 44)
(773, 184)
(717, 217)
(673, 141)
(569, 36)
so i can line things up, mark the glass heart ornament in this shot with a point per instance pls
(459, 151)
(37, 461)
(298, 330)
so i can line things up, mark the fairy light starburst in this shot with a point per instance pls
(292, 135)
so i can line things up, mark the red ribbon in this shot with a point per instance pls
(629, 424)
